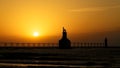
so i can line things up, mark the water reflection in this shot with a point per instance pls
(55, 58)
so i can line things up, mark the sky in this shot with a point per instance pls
(83, 20)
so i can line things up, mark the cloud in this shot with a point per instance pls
(93, 9)
(86, 9)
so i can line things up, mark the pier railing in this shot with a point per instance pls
(74, 44)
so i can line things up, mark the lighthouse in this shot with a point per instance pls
(64, 42)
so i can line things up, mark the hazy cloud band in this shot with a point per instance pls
(94, 9)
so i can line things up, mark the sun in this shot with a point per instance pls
(35, 34)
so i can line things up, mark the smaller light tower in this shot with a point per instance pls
(106, 42)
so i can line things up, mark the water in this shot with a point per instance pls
(54, 58)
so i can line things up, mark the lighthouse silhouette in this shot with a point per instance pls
(64, 43)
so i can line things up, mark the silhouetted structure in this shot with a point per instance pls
(64, 42)
(106, 43)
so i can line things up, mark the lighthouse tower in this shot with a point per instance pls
(64, 43)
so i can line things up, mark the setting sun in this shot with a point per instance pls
(36, 34)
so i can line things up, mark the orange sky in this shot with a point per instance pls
(20, 18)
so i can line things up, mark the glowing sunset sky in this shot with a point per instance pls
(21, 18)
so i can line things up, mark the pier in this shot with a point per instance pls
(74, 44)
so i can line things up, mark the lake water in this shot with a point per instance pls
(54, 58)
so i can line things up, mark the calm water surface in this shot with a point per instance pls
(54, 58)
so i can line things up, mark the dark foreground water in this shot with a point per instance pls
(59, 58)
